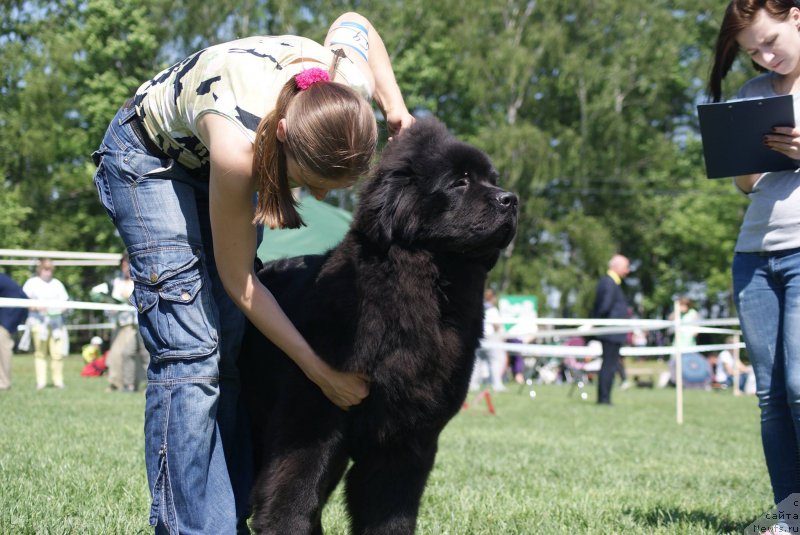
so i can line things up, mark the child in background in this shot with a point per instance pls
(93, 350)
(95, 359)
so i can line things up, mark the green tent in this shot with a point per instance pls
(325, 227)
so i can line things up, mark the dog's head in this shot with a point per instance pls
(434, 192)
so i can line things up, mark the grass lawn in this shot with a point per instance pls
(71, 462)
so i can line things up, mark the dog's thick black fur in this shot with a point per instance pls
(400, 299)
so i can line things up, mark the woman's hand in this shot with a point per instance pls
(344, 389)
(397, 121)
(784, 139)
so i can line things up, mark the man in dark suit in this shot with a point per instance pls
(610, 302)
(10, 318)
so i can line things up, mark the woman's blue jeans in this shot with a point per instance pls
(766, 290)
(197, 448)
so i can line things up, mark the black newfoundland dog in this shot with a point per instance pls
(400, 299)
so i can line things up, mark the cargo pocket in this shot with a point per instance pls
(101, 183)
(177, 315)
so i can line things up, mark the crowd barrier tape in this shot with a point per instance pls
(59, 258)
(61, 263)
(8, 302)
(563, 351)
(527, 329)
(644, 323)
(587, 327)
(82, 327)
(92, 327)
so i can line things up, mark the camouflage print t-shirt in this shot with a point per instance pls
(240, 80)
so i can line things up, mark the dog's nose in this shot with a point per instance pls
(507, 199)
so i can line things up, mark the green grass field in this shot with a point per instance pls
(71, 462)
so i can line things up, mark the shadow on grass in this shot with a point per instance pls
(660, 516)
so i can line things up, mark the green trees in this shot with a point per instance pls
(68, 65)
(588, 111)
(586, 107)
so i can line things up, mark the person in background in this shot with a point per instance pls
(10, 319)
(610, 303)
(178, 172)
(48, 332)
(127, 357)
(93, 350)
(490, 362)
(725, 364)
(767, 252)
(94, 358)
(516, 362)
(687, 334)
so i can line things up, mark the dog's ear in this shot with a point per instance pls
(385, 210)
(422, 142)
(376, 208)
(386, 205)
(383, 199)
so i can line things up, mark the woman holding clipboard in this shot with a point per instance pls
(766, 265)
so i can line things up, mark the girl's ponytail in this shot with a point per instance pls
(277, 207)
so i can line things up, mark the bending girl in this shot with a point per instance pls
(177, 172)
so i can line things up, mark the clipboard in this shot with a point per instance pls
(732, 134)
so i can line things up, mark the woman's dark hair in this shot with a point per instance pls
(738, 16)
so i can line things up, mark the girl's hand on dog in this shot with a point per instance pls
(344, 389)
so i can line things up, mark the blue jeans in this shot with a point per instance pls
(197, 448)
(767, 296)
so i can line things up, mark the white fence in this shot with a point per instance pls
(594, 327)
(530, 330)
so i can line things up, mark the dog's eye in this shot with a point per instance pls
(461, 182)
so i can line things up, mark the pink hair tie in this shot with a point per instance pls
(309, 77)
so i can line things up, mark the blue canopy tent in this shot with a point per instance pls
(325, 227)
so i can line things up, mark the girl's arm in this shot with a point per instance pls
(234, 236)
(387, 93)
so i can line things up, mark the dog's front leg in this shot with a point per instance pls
(295, 481)
(385, 485)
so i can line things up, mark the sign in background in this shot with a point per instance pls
(523, 309)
